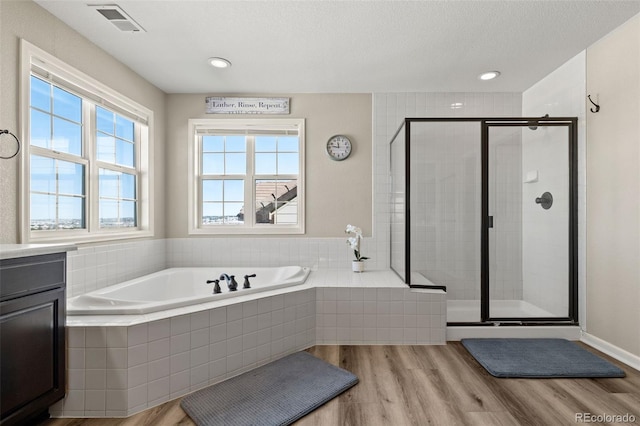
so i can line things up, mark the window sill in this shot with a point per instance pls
(240, 230)
(82, 237)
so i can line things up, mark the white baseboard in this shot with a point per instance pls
(618, 353)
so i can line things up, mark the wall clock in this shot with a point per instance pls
(339, 147)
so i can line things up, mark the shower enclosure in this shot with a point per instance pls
(486, 208)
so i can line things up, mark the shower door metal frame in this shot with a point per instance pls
(572, 125)
(485, 123)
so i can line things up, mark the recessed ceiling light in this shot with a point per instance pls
(219, 62)
(457, 105)
(490, 75)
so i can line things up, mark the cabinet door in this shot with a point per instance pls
(31, 354)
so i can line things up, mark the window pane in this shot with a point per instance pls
(128, 214)
(40, 129)
(117, 214)
(212, 190)
(43, 174)
(235, 164)
(212, 143)
(106, 148)
(235, 144)
(109, 214)
(265, 193)
(67, 105)
(43, 212)
(213, 164)
(40, 94)
(128, 186)
(233, 190)
(114, 184)
(276, 201)
(104, 120)
(67, 136)
(265, 164)
(70, 212)
(212, 212)
(124, 128)
(108, 182)
(288, 143)
(288, 164)
(70, 178)
(233, 213)
(124, 153)
(59, 209)
(117, 199)
(266, 143)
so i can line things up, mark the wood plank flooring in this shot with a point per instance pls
(435, 385)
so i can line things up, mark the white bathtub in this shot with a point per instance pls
(177, 287)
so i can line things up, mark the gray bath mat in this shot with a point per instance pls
(278, 393)
(538, 358)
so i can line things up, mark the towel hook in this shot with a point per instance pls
(7, 132)
(594, 104)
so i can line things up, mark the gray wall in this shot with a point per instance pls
(613, 189)
(337, 192)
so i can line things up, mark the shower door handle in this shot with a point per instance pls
(490, 222)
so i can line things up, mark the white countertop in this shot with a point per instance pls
(10, 251)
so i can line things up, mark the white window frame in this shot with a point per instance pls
(37, 62)
(198, 126)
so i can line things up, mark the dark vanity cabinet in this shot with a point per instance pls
(32, 336)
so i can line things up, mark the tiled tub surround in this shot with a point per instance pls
(120, 366)
(98, 266)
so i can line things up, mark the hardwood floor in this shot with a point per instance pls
(436, 385)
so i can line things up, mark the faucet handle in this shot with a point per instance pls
(246, 280)
(216, 286)
(233, 285)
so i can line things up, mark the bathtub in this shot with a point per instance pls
(178, 287)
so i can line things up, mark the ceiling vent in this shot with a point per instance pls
(118, 17)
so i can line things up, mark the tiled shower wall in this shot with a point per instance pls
(560, 94)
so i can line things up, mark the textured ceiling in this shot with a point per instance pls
(347, 46)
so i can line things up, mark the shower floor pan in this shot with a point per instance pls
(469, 310)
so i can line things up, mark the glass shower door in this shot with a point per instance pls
(445, 200)
(529, 224)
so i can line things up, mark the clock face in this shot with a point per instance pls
(339, 147)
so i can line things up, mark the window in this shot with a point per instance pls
(86, 160)
(247, 176)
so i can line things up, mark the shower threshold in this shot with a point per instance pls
(467, 311)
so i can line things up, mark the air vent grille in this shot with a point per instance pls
(118, 17)
(111, 14)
